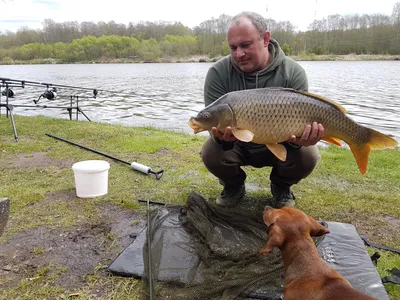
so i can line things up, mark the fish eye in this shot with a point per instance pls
(206, 114)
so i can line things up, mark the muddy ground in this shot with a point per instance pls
(91, 246)
(78, 251)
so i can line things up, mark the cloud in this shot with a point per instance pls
(20, 21)
(55, 4)
(191, 14)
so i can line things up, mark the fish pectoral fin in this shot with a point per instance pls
(332, 140)
(278, 150)
(243, 135)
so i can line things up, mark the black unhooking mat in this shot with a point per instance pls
(202, 251)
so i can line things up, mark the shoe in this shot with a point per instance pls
(282, 196)
(230, 195)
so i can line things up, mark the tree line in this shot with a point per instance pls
(151, 41)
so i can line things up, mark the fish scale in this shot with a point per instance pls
(284, 114)
(272, 115)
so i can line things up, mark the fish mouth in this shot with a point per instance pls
(196, 126)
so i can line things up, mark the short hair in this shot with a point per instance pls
(259, 22)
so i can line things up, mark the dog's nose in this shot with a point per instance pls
(267, 207)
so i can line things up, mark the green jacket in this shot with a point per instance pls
(224, 76)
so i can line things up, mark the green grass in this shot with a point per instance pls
(335, 191)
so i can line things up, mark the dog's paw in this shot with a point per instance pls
(263, 251)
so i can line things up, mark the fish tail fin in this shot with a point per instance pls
(361, 153)
(381, 141)
(377, 140)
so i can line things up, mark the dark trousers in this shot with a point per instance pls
(226, 165)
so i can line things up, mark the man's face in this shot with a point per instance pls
(248, 50)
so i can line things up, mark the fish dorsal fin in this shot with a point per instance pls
(243, 135)
(278, 150)
(318, 97)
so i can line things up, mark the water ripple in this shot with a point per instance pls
(166, 95)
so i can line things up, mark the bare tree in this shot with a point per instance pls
(396, 13)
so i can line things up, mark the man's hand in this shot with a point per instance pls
(226, 136)
(312, 134)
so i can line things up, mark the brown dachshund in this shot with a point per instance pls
(307, 276)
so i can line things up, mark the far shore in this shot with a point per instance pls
(206, 59)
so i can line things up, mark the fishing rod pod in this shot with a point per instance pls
(50, 93)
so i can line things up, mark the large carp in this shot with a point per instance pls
(272, 115)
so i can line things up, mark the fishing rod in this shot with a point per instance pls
(36, 83)
(23, 83)
(50, 93)
(134, 165)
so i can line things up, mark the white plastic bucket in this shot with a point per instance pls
(91, 178)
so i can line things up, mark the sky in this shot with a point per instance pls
(31, 13)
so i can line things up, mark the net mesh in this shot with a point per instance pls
(202, 251)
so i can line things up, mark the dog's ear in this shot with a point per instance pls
(275, 239)
(316, 229)
(269, 216)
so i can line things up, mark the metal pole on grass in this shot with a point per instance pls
(134, 165)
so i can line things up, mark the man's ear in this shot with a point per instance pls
(316, 229)
(266, 38)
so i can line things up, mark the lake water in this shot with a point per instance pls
(166, 95)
